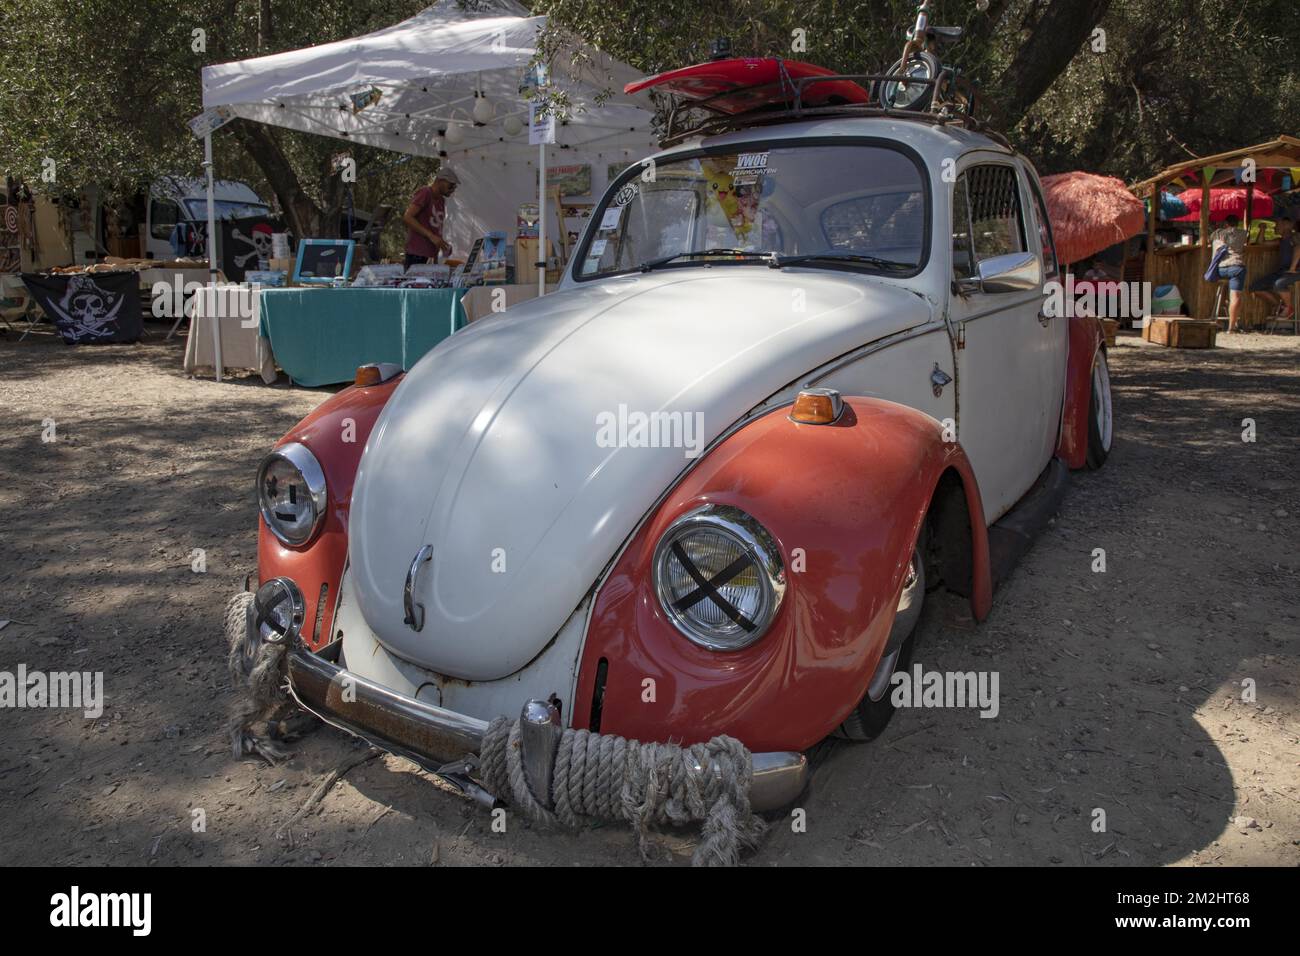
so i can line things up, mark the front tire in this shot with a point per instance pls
(1101, 414)
(873, 713)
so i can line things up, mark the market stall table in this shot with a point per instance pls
(241, 344)
(171, 276)
(478, 301)
(320, 336)
(1184, 266)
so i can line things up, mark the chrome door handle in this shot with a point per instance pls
(412, 620)
(1043, 318)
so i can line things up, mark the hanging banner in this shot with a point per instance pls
(571, 180)
(90, 308)
(209, 121)
(541, 128)
(243, 243)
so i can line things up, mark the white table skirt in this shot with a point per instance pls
(241, 344)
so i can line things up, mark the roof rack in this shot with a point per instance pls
(722, 121)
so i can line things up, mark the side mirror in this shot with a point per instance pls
(1014, 272)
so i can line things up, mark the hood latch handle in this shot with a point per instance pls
(415, 612)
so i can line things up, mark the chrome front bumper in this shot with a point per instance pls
(434, 737)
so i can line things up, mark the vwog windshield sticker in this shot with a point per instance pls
(750, 168)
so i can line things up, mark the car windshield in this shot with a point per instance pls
(225, 209)
(851, 205)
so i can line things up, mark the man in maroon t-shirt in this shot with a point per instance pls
(424, 218)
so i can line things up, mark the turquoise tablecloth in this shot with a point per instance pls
(320, 336)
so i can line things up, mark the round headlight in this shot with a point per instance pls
(291, 493)
(278, 610)
(719, 577)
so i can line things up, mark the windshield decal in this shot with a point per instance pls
(610, 221)
(750, 168)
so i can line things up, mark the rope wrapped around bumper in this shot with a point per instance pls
(645, 784)
(258, 671)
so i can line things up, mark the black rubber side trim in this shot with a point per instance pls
(1013, 535)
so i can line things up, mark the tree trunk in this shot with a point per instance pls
(301, 215)
(1059, 33)
(265, 34)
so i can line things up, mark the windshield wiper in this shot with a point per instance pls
(745, 253)
(778, 261)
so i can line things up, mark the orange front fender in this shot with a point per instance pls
(844, 503)
(335, 432)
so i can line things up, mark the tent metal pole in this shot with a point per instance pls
(212, 254)
(542, 257)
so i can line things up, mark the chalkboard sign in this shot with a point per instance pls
(323, 260)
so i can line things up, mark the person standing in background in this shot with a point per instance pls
(424, 219)
(1232, 266)
(1275, 287)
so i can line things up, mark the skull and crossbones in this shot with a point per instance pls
(260, 240)
(89, 309)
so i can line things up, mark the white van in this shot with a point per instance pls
(177, 201)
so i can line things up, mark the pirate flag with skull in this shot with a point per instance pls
(90, 308)
(244, 242)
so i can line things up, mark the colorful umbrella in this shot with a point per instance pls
(1090, 213)
(1225, 202)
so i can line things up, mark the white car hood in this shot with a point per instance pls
(489, 452)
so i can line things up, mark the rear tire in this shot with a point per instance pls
(1101, 414)
(869, 719)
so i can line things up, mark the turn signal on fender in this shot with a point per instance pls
(817, 406)
(368, 375)
(376, 373)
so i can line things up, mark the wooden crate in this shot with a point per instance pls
(1110, 327)
(1180, 333)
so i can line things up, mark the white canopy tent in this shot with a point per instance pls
(430, 72)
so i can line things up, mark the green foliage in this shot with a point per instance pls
(1178, 78)
(1177, 75)
(104, 87)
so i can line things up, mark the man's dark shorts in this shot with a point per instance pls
(1275, 282)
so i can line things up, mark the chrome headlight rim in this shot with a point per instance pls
(278, 594)
(299, 457)
(744, 529)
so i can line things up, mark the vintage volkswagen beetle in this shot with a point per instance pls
(795, 376)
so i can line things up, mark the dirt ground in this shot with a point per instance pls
(1120, 690)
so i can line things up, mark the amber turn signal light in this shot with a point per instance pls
(368, 375)
(817, 406)
(376, 373)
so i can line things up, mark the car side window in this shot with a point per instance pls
(996, 219)
(1050, 268)
(963, 260)
(163, 218)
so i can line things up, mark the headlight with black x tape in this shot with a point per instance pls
(719, 577)
(291, 493)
